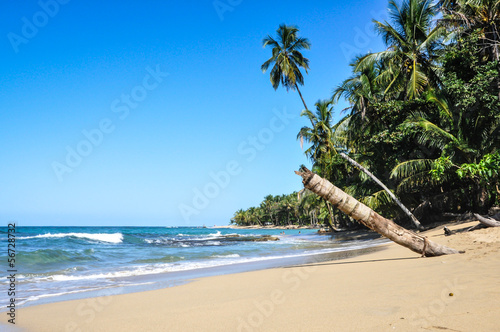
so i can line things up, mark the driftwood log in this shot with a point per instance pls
(478, 226)
(489, 222)
(371, 219)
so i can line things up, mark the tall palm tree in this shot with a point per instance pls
(268, 205)
(287, 58)
(413, 44)
(287, 205)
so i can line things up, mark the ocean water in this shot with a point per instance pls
(59, 263)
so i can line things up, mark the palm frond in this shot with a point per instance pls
(432, 135)
(409, 168)
(376, 200)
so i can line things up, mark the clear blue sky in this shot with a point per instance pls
(156, 97)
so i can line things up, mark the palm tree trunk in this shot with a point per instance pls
(370, 218)
(330, 217)
(497, 59)
(303, 102)
(300, 94)
(394, 198)
(495, 47)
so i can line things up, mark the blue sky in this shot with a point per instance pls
(156, 112)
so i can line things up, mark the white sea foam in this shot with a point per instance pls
(220, 260)
(103, 291)
(103, 237)
(128, 273)
(218, 234)
(155, 241)
(226, 256)
(210, 236)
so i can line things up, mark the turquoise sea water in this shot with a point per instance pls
(58, 263)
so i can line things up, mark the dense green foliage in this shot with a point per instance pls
(424, 118)
(299, 209)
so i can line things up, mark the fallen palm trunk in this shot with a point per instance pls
(370, 218)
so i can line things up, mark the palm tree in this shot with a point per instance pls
(287, 205)
(268, 205)
(470, 15)
(370, 218)
(323, 149)
(413, 44)
(461, 134)
(309, 205)
(253, 214)
(287, 59)
(238, 218)
(360, 90)
(467, 16)
(320, 135)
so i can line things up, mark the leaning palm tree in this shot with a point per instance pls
(413, 45)
(323, 149)
(370, 218)
(287, 59)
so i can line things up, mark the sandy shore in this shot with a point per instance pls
(388, 290)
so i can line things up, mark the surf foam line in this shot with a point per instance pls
(103, 237)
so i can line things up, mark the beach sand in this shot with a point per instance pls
(387, 290)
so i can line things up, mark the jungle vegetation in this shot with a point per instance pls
(424, 117)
